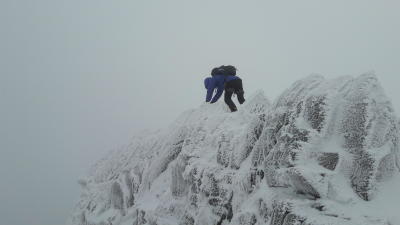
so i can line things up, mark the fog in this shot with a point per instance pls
(78, 78)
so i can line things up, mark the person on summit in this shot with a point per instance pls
(216, 81)
(233, 84)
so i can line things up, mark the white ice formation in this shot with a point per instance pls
(319, 155)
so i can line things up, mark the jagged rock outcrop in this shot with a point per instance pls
(321, 145)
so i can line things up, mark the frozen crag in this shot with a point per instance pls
(320, 152)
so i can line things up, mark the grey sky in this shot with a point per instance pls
(78, 78)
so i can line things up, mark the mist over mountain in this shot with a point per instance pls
(324, 152)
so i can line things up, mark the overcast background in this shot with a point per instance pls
(78, 78)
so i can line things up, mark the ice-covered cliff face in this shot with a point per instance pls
(320, 154)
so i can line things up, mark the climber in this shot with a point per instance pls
(216, 81)
(233, 84)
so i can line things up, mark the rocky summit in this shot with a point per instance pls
(321, 154)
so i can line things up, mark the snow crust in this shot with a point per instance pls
(325, 152)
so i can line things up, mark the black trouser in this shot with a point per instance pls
(233, 86)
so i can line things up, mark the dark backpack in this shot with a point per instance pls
(228, 70)
(217, 71)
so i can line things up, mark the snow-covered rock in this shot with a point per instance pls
(322, 148)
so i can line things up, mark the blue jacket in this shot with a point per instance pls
(211, 83)
(230, 77)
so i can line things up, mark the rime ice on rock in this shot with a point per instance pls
(286, 163)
